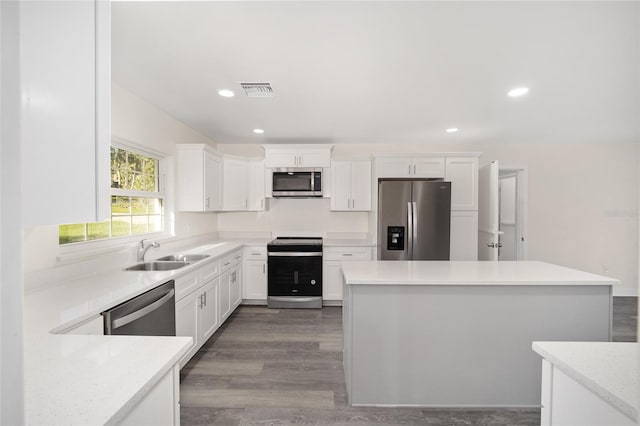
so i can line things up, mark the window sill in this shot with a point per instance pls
(77, 252)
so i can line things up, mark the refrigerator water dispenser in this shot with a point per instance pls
(395, 238)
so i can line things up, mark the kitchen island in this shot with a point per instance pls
(436, 333)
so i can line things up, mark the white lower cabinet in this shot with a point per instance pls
(225, 295)
(211, 299)
(464, 235)
(160, 406)
(254, 280)
(187, 324)
(332, 269)
(197, 316)
(230, 284)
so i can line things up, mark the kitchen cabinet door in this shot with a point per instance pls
(224, 296)
(464, 235)
(212, 182)
(314, 157)
(234, 181)
(65, 55)
(235, 285)
(209, 318)
(254, 281)
(341, 185)
(332, 280)
(199, 178)
(361, 185)
(281, 158)
(351, 186)
(187, 314)
(462, 172)
(394, 167)
(256, 186)
(428, 167)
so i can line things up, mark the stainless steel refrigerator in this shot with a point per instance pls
(414, 219)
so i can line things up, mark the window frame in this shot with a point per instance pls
(119, 241)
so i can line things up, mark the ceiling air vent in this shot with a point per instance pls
(257, 90)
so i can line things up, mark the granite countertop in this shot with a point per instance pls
(609, 369)
(466, 273)
(93, 379)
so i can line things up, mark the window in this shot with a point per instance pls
(137, 200)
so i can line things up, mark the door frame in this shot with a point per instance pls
(522, 205)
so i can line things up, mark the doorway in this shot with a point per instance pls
(512, 190)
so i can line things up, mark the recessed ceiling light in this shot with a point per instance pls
(452, 130)
(258, 131)
(518, 91)
(226, 93)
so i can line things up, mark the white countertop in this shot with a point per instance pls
(609, 369)
(80, 380)
(466, 273)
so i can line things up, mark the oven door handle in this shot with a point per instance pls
(295, 254)
(127, 319)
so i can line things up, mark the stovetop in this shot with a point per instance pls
(295, 244)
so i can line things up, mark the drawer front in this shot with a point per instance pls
(226, 262)
(210, 271)
(255, 253)
(347, 253)
(186, 284)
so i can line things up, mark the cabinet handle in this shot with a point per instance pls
(414, 169)
(295, 160)
(347, 254)
(256, 254)
(228, 263)
(246, 204)
(237, 257)
(205, 298)
(207, 202)
(200, 301)
(262, 203)
(409, 168)
(264, 268)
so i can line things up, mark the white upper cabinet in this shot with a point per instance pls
(462, 172)
(199, 178)
(414, 167)
(256, 186)
(212, 182)
(65, 55)
(234, 184)
(310, 156)
(351, 186)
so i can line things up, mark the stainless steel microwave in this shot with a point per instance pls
(297, 183)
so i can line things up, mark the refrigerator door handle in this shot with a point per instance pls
(410, 230)
(414, 227)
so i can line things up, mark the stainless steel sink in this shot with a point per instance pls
(157, 266)
(184, 257)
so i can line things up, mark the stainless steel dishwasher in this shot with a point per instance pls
(149, 314)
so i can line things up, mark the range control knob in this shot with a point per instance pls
(313, 282)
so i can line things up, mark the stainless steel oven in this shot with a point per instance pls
(294, 279)
(301, 183)
(150, 314)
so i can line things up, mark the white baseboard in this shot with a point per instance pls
(624, 291)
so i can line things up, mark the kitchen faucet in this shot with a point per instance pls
(143, 250)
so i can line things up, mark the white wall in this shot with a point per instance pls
(133, 120)
(583, 201)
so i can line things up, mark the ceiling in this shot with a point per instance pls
(387, 72)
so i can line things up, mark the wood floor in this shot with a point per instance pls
(282, 367)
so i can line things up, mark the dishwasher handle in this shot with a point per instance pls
(127, 319)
